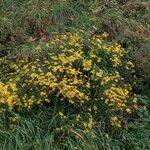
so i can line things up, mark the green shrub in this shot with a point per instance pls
(82, 74)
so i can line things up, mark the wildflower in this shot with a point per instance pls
(78, 117)
(87, 64)
(115, 122)
(89, 124)
(61, 114)
(116, 97)
(128, 110)
(105, 35)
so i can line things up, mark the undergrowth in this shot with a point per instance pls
(74, 74)
(38, 130)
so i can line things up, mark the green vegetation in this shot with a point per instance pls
(75, 74)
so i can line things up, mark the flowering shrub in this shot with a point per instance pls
(84, 73)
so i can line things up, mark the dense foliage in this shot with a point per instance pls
(74, 74)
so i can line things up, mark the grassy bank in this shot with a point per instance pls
(74, 75)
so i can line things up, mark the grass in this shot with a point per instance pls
(37, 130)
(126, 21)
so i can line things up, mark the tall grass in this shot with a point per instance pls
(37, 130)
(24, 24)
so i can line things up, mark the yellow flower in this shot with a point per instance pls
(128, 110)
(87, 64)
(116, 97)
(78, 117)
(61, 114)
(105, 35)
(115, 122)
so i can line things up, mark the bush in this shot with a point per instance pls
(86, 75)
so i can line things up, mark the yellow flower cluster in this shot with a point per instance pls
(130, 66)
(115, 122)
(62, 115)
(89, 124)
(75, 71)
(87, 64)
(78, 117)
(118, 53)
(8, 95)
(115, 77)
(117, 98)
